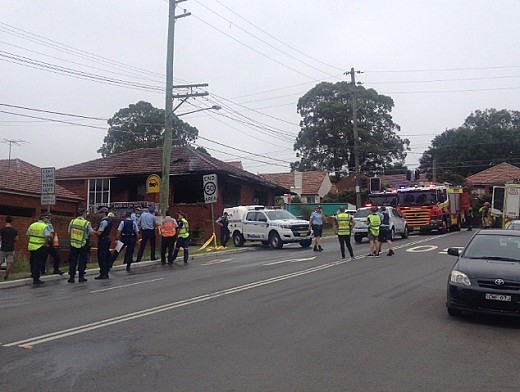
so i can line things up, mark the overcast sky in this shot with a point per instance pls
(439, 61)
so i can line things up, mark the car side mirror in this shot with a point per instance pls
(454, 251)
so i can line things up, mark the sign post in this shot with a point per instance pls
(48, 186)
(210, 187)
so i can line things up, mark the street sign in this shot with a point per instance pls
(48, 199)
(153, 183)
(48, 182)
(209, 183)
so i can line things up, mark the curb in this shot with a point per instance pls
(6, 284)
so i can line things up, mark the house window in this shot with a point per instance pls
(98, 191)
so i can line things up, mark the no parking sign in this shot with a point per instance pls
(209, 184)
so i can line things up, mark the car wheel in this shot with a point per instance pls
(405, 232)
(305, 243)
(358, 239)
(275, 241)
(238, 240)
(454, 312)
(392, 234)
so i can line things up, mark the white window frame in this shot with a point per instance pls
(98, 182)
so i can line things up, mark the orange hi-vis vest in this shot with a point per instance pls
(168, 229)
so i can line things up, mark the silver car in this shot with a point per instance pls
(398, 224)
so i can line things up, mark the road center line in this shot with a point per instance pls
(126, 285)
(29, 343)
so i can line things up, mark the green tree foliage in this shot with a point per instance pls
(486, 138)
(141, 125)
(325, 141)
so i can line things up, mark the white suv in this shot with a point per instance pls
(398, 225)
(270, 226)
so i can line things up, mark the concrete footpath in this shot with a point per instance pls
(5, 284)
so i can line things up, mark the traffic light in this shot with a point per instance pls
(412, 175)
(375, 184)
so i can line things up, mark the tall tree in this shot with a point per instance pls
(485, 139)
(141, 125)
(326, 142)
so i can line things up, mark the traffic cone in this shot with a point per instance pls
(56, 241)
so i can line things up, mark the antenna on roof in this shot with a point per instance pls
(16, 142)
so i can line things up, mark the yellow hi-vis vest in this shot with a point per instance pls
(374, 221)
(77, 232)
(36, 235)
(184, 231)
(343, 220)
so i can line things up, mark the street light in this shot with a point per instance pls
(214, 107)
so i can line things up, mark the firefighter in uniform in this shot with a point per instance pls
(79, 230)
(343, 224)
(39, 238)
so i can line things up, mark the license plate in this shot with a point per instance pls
(416, 228)
(498, 297)
(303, 233)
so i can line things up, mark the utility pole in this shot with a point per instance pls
(168, 128)
(352, 74)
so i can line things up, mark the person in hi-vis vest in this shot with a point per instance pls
(80, 230)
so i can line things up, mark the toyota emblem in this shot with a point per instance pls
(499, 282)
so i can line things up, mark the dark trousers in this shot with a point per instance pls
(182, 243)
(53, 252)
(345, 240)
(167, 243)
(224, 237)
(130, 245)
(103, 254)
(78, 257)
(147, 234)
(37, 259)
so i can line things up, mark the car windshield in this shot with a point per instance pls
(417, 198)
(383, 199)
(279, 214)
(494, 247)
(362, 213)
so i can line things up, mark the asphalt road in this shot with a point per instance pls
(259, 320)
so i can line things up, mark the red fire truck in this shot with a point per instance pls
(433, 207)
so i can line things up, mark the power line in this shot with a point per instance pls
(263, 41)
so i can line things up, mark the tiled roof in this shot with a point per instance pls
(144, 161)
(496, 175)
(311, 180)
(17, 176)
(237, 164)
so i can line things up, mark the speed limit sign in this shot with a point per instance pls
(209, 183)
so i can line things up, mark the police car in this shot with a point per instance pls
(274, 227)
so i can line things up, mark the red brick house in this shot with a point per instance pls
(482, 183)
(310, 186)
(20, 192)
(122, 178)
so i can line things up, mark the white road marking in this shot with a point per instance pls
(422, 248)
(31, 342)
(216, 261)
(290, 261)
(125, 285)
